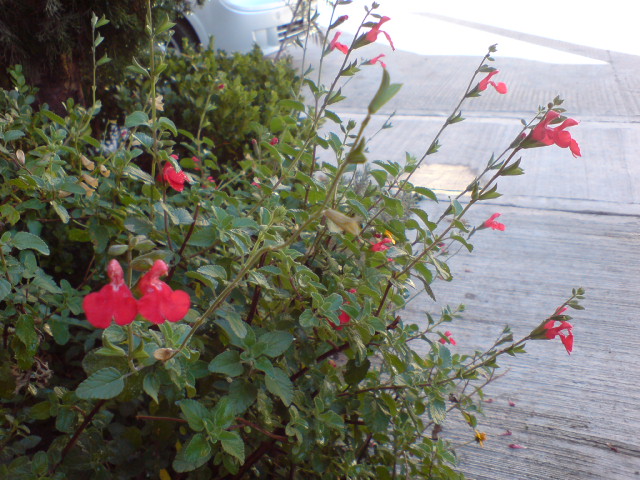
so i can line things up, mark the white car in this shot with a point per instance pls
(239, 24)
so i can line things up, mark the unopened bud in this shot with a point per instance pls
(163, 354)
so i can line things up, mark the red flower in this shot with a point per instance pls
(159, 301)
(552, 332)
(340, 46)
(172, 177)
(113, 302)
(381, 246)
(343, 317)
(372, 35)
(377, 59)
(546, 135)
(484, 83)
(561, 310)
(448, 339)
(274, 141)
(491, 223)
(221, 86)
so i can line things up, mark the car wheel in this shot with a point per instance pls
(182, 30)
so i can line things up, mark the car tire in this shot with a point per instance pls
(182, 30)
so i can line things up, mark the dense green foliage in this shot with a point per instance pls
(224, 99)
(293, 361)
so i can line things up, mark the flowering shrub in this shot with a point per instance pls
(274, 346)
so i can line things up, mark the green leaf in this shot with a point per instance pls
(385, 92)
(136, 119)
(61, 211)
(242, 394)
(227, 363)
(492, 193)
(194, 413)
(278, 383)
(426, 192)
(291, 104)
(354, 373)
(105, 59)
(65, 420)
(193, 455)
(24, 240)
(104, 384)
(437, 411)
(307, 319)
(151, 385)
(5, 289)
(275, 343)
(52, 116)
(232, 444)
(11, 135)
(168, 124)
(332, 419)
(136, 173)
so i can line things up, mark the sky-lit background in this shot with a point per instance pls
(610, 25)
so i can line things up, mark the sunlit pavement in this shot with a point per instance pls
(570, 221)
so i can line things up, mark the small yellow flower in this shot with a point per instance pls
(389, 235)
(481, 437)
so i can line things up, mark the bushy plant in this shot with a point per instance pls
(218, 101)
(159, 324)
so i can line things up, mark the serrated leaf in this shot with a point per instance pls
(193, 455)
(24, 240)
(232, 444)
(136, 118)
(194, 413)
(275, 343)
(104, 384)
(307, 319)
(136, 173)
(5, 289)
(227, 363)
(279, 384)
(437, 411)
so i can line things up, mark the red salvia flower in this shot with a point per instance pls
(566, 338)
(114, 301)
(174, 178)
(547, 135)
(340, 46)
(372, 35)
(382, 245)
(378, 60)
(449, 338)
(491, 223)
(159, 302)
(343, 317)
(485, 82)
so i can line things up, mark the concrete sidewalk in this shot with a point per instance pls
(570, 222)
